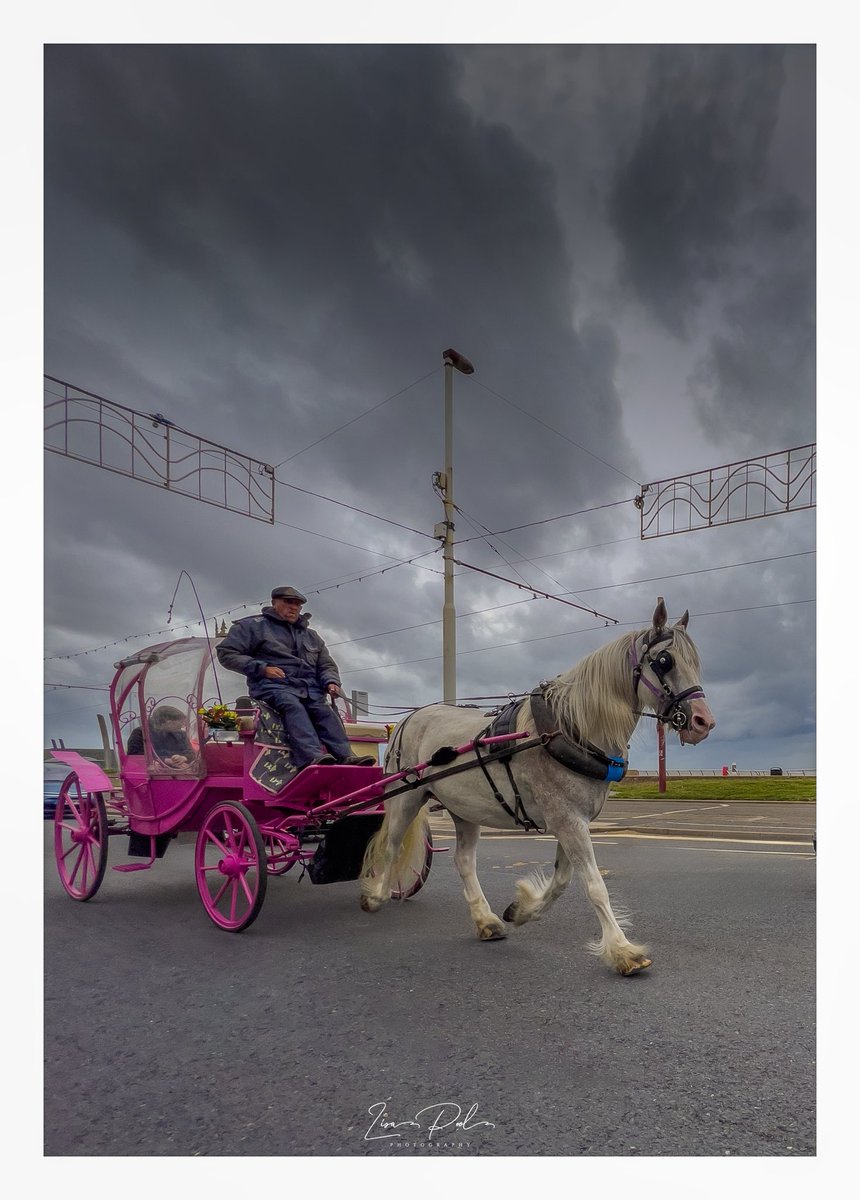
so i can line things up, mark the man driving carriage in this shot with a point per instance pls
(289, 668)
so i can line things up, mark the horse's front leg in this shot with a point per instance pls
(489, 926)
(614, 948)
(536, 893)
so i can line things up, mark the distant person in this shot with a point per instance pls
(289, 668)
(167, 736)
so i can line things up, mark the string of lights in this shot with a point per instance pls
(425, 624)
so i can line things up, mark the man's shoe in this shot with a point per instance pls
(324, 760)
(359, 760)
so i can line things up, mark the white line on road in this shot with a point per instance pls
(669, 812)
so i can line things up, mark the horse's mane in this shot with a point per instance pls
(595, 700)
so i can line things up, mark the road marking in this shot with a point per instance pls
(635, 835)
(671, 812)
(720, 850)
(692, 837)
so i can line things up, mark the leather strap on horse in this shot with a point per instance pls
(582, 757)
(519, 814)
(493, 756)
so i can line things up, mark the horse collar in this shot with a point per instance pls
(580, 756)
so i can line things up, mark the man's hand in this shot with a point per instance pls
(334, 690)
(274, 673)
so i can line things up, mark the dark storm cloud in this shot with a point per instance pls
(334, 205)
(708, 117)
(264, 242)
(764, 361)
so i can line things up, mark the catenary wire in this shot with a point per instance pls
(568, 633)
(557, 432)
(353, 420)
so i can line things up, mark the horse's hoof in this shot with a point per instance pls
(491, 933)
(368, 904)
(510, 913)
(634, 966)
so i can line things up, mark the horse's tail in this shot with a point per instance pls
(410, 861)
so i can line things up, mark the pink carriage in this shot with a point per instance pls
(252, 815)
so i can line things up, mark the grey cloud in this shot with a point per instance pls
(263, 242)
(708, 118)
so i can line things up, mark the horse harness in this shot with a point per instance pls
(675, 708)
(580, 756)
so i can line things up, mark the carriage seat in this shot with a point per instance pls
(270, 727)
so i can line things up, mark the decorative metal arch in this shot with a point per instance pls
(741, 491)
(152, 449)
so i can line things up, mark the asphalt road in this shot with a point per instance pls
(305, 1034)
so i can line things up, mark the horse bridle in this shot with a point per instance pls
(675, 708)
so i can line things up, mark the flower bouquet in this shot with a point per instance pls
(219, 716)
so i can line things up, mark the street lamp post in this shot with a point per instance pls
(451, 359)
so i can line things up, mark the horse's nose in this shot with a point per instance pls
(703, 719)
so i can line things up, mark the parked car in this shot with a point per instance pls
(55, 773)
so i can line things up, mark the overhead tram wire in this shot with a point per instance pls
(569, 633)
(536, 591)
(507, 561)
(352, 508)
(547, 520)
(557, 432)
(353, 420)
(460, 616)
(531, 599)
(486, 537)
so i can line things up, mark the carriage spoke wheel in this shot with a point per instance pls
(415, 880)
(229, 865)
(80, 839)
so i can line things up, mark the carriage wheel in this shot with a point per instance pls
(80, 839)
(412, 887)
(229, 864)
(280, 855)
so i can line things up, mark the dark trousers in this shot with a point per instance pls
(308, 721)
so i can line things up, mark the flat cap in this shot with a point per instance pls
(288, 593)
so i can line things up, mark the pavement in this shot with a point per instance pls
(792, 823)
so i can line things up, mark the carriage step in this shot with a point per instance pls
(134, 866)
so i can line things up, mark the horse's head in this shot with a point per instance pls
(666, 666)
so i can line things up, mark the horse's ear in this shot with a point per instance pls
(661, 616)
(684, 621)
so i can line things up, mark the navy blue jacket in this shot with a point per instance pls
(267, 640)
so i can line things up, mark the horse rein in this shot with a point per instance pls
(674, 707)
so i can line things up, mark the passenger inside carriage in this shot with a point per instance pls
(168, 738)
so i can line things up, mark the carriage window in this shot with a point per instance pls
(170, 719)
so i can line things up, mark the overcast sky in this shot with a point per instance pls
(264, 242)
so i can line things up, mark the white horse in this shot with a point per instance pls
(596, 705)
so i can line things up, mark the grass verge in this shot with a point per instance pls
(763, 788)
